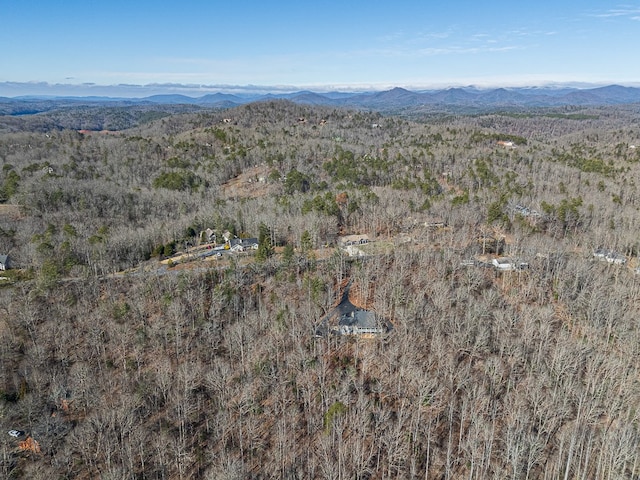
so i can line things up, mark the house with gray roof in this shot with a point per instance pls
(242, 244)
(5, 262)
(359, 322)
(348, 319)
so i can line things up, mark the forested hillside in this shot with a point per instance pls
(128, 352)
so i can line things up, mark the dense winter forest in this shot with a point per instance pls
(128, 352)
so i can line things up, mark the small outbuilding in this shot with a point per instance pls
(5, 262)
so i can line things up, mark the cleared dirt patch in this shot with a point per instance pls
(11, 211)
(252, 183)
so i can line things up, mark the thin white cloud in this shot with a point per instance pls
(465, 50)
(490, 46)
(521, 33)
(632, 13)
(433, 35)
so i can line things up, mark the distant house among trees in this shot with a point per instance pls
(359, 322)
(350, 244)
(242, 244)
(435, 223)
(209, 235)
(610, 256)
(525, 211)
(349, 319)
(616, 258)
(506, 264)
(5, 262)
(350, 240)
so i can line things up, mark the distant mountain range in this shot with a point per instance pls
(390, 100)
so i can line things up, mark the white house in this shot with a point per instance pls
(616, 258)
(5, 262)
(610, 256)
(242, 244)
(505, 264)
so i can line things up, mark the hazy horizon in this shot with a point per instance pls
(44, 89)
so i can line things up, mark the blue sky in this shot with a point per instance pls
(346, 45)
